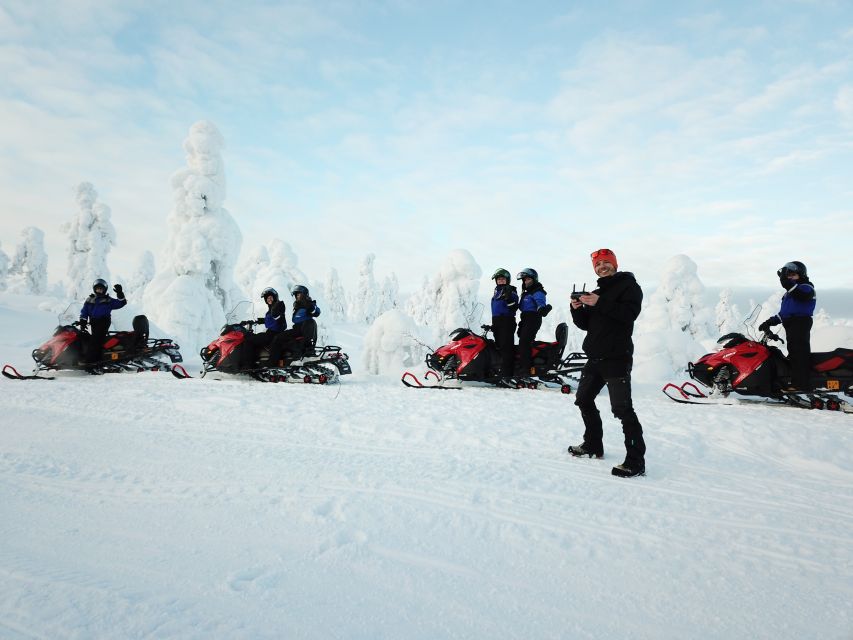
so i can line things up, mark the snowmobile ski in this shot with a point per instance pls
(10, 372)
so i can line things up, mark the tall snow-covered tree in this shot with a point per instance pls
(281, 272)
(143, 274)
(390, 294)
(336, 299)
(727, 316)
(450, 299)
(4, 269)
(91, 235)
(28, 271)
(194, 288)
(365, 306)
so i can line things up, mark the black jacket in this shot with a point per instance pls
(610, 323)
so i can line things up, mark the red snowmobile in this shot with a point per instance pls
(755, 368)
(470, 357)
(231, 353)
(122, 351)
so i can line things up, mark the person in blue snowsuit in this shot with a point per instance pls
(97, 314)
(274, 320)
(795, 315)
(304, 309)
(504, 308)
(533, 306)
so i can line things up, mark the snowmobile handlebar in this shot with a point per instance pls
(770, 336)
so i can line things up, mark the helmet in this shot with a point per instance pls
(269, 291)
(793, 267)
(100, 282)
(528, 272)
(501, 273)
(299, 289)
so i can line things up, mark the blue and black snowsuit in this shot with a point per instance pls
(504, 308)
(97, 312)
(275, 321)
(795, 314)
(304, 309)
(533, 305)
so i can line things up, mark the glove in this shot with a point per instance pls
(261, 320)
(119, 292)
(507, 293)
(83, 324)
(770, 322)
(544, 311)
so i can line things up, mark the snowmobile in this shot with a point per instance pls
(122, 351)
(760, 371)
(470, 357)
(232, 353)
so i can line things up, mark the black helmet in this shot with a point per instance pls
(100, 282)
(269, 291)
(793, 267)
(501, 273)
(299, 289)
(528, 272)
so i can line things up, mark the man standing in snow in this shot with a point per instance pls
(607, 315)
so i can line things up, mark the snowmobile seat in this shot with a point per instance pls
(562, 335)
(831, 360)
(309, 332)
(140, 328)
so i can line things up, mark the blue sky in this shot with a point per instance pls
(528, 133)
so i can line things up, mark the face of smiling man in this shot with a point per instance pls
(603, 269)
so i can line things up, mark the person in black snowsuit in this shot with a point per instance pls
(274, 320)
(97, 313)
(795, 315)
(607, 315)
(304, 311)
(533, 306)
(504, 308)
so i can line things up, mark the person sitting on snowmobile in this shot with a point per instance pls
(607, 315)
(795, 315)
(304, 309)
(274, 320)
(534, 306)
(504, 308)
(97, 312)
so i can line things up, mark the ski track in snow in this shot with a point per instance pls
(143, 506)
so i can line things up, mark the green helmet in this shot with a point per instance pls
(501, 273)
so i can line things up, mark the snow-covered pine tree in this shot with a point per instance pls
(365, 305)
(418, 305)
(28, 270)
(91, 235)
(390, 294)
(727, 315)
(4, 268)
(144, 273)
(281, 271)
(336, 299)
(194, 288)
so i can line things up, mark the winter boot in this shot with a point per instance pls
(629, 469)
(584, 449)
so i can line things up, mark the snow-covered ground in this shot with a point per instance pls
(144, 506)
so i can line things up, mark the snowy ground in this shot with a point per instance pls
(143, 506)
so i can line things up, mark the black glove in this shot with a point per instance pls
(770, 322)
(261, 320)
(83, 324)
(507, 293)
(119, 292)
(544, 311)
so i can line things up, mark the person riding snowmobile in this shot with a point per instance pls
(304, 309)
(504, 308)
(533, 306)
(274, 320)
(795, 315)
(97, 312)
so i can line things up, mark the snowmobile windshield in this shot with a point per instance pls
(243, 310)
(70, 314)
(458, 334)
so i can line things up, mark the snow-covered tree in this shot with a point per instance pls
(727, 316)
(389, 298)
(336, 299)
(28, 271)
(143, 274)
(673, 322)
(281, 271)
(194, 288)
(248, 268)
(91, 235)
(4, 268)
(450, 298)
(392, 344)
(822, 319)
(365, 305)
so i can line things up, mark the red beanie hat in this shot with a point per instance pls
(604, 255)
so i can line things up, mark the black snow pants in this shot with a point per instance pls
(527, 329)
(798, 331)
(503, 328)
(616, 374)
(98, 328)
